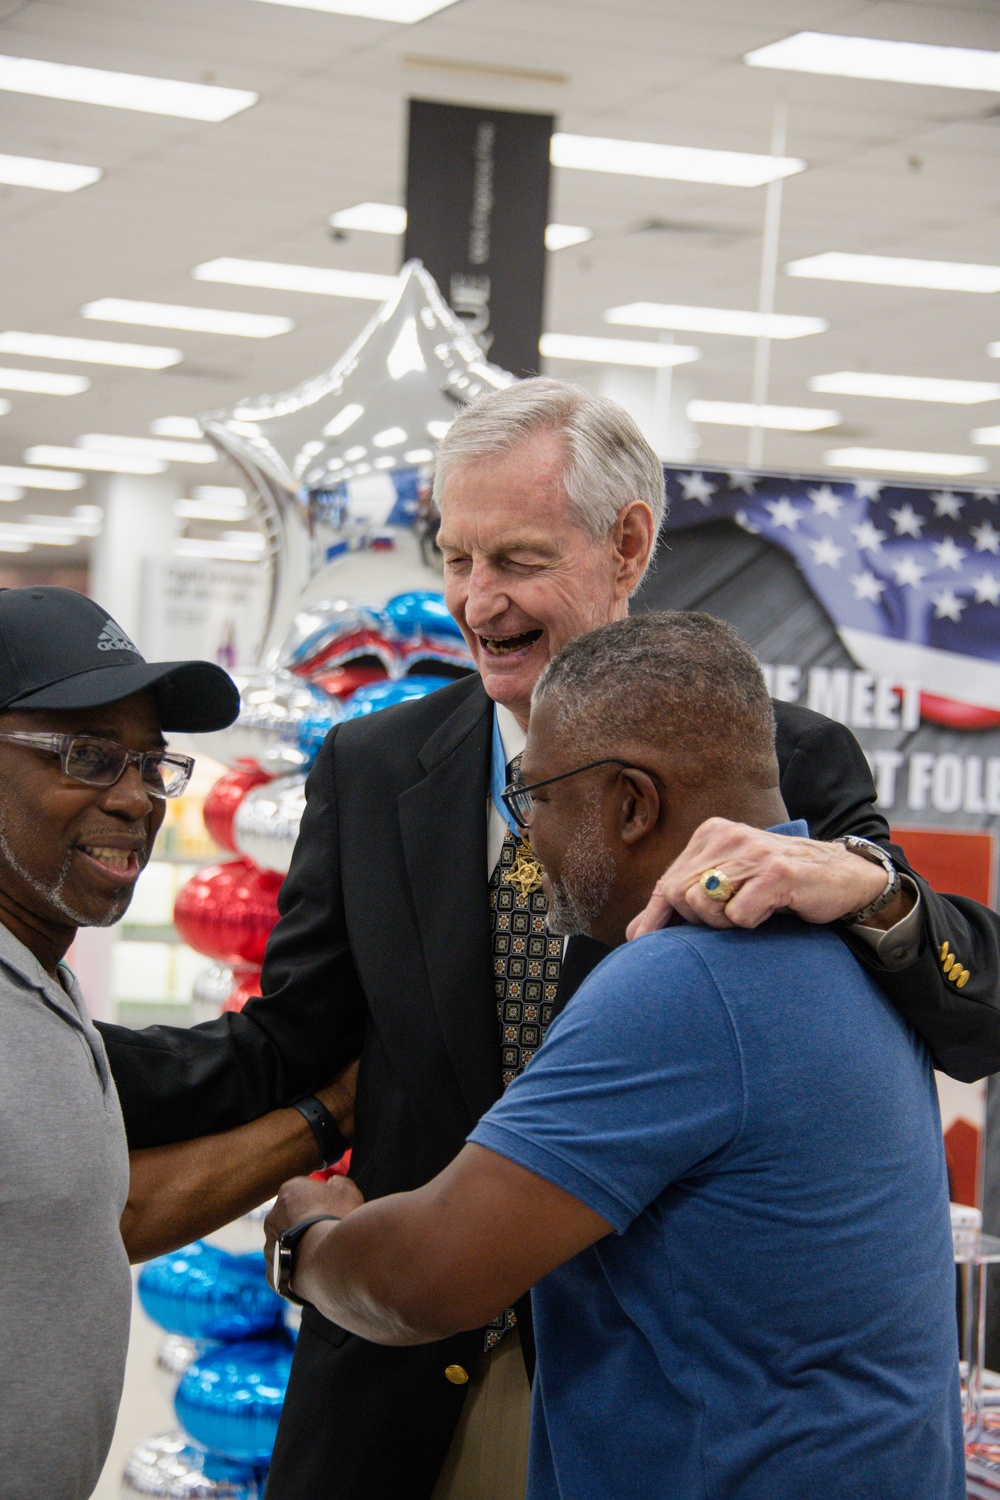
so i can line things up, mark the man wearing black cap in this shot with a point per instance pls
(84, 771)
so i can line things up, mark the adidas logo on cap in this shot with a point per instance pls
(113, 638)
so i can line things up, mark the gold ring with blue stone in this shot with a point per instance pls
(717, 886)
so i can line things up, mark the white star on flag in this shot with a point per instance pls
(948, 606)
(826, 551)
(696, 487)
(986, 537)
(906, 521)
(947, 503)
(867, 586)
(825, 502)
(987, 588)
(868, 489)
(742, 519)
(949, 554)
(783, 513)
(868, 536)
(987, 494)
(742, 479)
(908, 570)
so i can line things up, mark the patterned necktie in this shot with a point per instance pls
(526, 964)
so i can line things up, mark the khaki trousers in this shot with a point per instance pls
(488, 1457)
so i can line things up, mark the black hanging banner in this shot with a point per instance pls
(477, 199)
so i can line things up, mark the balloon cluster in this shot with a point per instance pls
(226, 1360)
(340, 660)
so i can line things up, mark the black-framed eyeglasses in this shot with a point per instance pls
(97, 762)
(518, 801)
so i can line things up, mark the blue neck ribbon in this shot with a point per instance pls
(498, 779)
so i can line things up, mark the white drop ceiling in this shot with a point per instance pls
(893, 169)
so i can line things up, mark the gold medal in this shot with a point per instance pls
(525, 874)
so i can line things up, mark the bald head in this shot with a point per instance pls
(674, 710)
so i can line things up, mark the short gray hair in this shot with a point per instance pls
(679, 682)
(608, 461)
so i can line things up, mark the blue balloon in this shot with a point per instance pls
(230, 1399)
(377, 695)
(421, 612)
(205, 1293)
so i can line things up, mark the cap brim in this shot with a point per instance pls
(193, 697)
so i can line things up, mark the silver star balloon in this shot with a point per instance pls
(349, 451)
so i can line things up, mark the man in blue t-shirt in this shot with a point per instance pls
(722, 1173)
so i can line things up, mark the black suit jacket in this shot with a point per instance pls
(383, 948)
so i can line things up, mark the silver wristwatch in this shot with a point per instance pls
(876, 856)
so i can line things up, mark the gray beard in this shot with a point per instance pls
(578, 898)
(53, 893)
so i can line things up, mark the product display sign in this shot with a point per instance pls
(877, 604)
(477, 199)
(206, 610)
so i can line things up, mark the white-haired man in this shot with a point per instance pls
(413, 929)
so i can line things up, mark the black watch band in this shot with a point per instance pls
(324, 1127)
(284, 1255)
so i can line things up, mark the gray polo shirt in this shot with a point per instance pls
(65, 1288)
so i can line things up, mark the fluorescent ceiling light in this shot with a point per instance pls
(562, 236)
(594, 153)
(221, 551)
(780, 418)
(43, 382)
(376, 218)
(209, 510)
(39, 479)
(89, 351)
(389, 218)
(11, 492)
(989, 437)
(46, 536)
(904, 462)
(615, 351)
(70, 525)
(872, 57)
(891, 270)
(229, 494)
(171, 452)
(177, 427)
(55, 176)
(418, 456)
(367, 285)
(4, 407)
(406, 11)
(88, 513)
(905, 387)
(715, 320)
(153, 96)
(105, 463)
(390, 437)
(194, 319)
(993, 350)
(9, 544)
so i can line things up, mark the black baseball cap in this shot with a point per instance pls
(59, 649)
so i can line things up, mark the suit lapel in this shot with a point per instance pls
(443, 825)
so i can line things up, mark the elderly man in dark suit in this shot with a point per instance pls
(413, 929)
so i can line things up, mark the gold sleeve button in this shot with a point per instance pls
(949, 963)
(962, 978)
(457, 1374)
(944, 951)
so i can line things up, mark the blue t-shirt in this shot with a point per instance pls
(774, 1317)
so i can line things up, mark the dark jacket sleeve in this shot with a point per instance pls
(826, 779)
(176, 1083)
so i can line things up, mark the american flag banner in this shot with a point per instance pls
(909, 575)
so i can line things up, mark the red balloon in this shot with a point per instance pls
(227, 911)
(246, 987)
(340, 682)
(223, 800)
